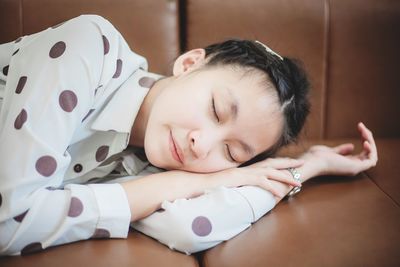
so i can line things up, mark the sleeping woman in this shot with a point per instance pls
(92, 143)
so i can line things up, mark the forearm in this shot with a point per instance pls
(146, 194)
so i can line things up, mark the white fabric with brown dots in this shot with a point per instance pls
(63, 153)
(61, 91)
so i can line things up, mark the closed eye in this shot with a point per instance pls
(230, 155)
(214, 110)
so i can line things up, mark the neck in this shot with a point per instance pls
(138, 130)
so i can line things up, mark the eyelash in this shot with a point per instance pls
(216, 116)
(215, 111)
(229, 153)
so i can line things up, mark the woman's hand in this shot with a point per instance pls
(339, 160)
(182, 184)
(262, 174)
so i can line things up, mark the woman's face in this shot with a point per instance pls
(246, 120)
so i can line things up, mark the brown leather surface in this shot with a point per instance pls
(334, 221)
(150, 27)
(10, 20)
(386, 174)
(137, 250)
(282, 25)
(363, 67)
(351, 51)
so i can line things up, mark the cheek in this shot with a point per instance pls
(181, 110)
(153, 147)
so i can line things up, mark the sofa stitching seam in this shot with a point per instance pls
(377, 185)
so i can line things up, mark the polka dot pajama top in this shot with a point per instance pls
(68, 99)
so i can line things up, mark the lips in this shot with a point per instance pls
(175, 149)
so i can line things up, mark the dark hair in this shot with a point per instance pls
(287, 76)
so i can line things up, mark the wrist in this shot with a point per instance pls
(312, 167)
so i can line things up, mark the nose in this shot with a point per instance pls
(200, 143)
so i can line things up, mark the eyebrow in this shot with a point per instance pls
(234, 107)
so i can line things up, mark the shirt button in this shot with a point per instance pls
(78, 167)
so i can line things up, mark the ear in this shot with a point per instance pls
(189, 61)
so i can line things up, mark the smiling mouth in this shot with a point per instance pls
(174, 149)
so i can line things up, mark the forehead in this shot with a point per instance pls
(259, 120)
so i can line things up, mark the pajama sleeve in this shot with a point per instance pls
(192, 225)
(51, 80)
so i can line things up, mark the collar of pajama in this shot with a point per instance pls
(120, 112)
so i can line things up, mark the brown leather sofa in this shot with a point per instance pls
(350, 50)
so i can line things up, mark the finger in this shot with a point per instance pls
(366, 149)
(367, 135)
(282, 163)
(283, 176)
(267, 185)
(366, 157)
(371, 153)
(344, 149)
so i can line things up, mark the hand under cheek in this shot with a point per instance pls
(208, 167)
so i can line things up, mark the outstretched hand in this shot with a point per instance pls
(340, 160)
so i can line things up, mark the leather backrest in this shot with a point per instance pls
(150, 27)
(349, 48)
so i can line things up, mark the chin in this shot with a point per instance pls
(154, 159)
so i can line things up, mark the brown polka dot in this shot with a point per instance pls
(147, 82)
(46, 165)
(16, 51)
(58, 25)
(101, 233)
(106, 45)
(31, 248)
(5, 70)
(201, 226)
(19, 39)
(75, 208)
(57, 50)
(68, 100)
(87, 115)
(21, 119)
(119, 68)
(78, 167)
(21, 84)
(102, 153)
(20, 217)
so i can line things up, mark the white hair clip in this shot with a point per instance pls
(270, 50)
(287, 102)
